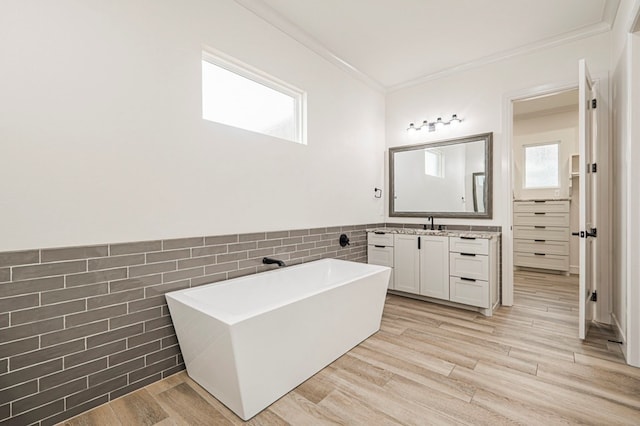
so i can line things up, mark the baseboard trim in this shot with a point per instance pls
(620, 335)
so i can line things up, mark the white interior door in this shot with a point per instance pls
(587, 142)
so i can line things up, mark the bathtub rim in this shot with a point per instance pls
(229, 318)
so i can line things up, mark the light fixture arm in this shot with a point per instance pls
(432, 126)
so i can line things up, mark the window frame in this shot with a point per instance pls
(258, 76)
(439, 160)
(524, 164)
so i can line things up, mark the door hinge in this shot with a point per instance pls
(594, 168)
(594, 296)
(594, 103)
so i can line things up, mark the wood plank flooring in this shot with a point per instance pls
(432, 364)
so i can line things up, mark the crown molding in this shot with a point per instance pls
(269, 15)
(610, 12)
(575, 35)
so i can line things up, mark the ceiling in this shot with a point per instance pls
(395, 43)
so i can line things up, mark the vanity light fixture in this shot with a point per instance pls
(435, 125)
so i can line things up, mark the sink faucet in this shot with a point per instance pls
(269, 261)
(431, 220)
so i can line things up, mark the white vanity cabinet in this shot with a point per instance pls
(460, 270)
(380, 251)
(421, 265)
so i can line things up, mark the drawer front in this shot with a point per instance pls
(549, 261)
(541, 206)
(385, 239)
(474, 293)
(380, 255)
(541, 233)
(476, 267)
(541, 246)
(469, 245)
(542, 219)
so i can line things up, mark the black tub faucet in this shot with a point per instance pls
(269, 261)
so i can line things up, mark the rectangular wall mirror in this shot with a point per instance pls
(451, 178)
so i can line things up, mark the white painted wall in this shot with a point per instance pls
(101, 136)
(626, 178)
(620, 167)
(561, 127)
(477, 95)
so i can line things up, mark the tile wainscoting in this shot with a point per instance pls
(81, 326)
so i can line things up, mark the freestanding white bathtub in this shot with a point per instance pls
(250, 340)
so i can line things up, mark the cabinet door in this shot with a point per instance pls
(406, 264)
(434, 267)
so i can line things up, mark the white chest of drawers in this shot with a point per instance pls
(541, 234)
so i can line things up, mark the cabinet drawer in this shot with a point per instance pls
(541, 246)
(469, 292)
(541, 206)
(541, 233)
(541, 219)
(473, 266)
(380, 239)
(549, 261)
(380, 255)
(469, 245)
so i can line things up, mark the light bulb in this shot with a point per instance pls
(411, 128)
(439, 123)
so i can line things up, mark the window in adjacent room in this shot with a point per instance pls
(238, 95)
(541, 166)
(433, 163)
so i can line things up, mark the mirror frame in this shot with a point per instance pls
(487, 138)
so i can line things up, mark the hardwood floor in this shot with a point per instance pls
(432, 364)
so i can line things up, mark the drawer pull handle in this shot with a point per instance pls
(468, 254)
(539, 213)
(539, 227)
(379, 233)
(377, 246)
(539, 201)
(539, 254)
(467, 238)
(467, 279)
(539, 241)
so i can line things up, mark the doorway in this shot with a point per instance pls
(545, 200)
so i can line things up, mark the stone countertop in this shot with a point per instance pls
(444, 233)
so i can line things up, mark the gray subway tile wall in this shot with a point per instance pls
(80, 326)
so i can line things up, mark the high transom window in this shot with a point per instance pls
(240, 96)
